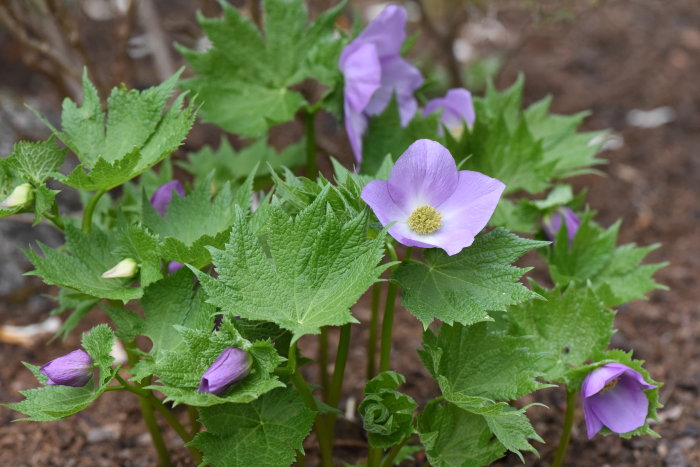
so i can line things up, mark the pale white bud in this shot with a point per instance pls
(125, 268)
(20, 196)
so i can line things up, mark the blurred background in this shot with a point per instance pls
(634, 64)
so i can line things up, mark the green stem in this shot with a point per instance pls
(566, 430)
(324, 441)
(389, 459)
(176, 425)
(341, 359)
(373, 327)
(195, 425)
(311, 170)
(89, 209)
(374, 457)
(55, 218)
(150, 419)
(388, 320)
(323, 362)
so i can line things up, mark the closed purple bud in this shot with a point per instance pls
(553, 223)
(164, 194)
(456, 109)
(613, 396)
(232, 366)
(174, 266)
(72, 369)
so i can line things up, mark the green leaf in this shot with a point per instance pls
(265, 432)
(244, 78)
(180, 369)
(192, 223)
(81, 305)
(54, 402)
(454, 437)
(36, 162)
(385, 135)
(307, 273)
(136, 133)
(387, 414)
(616, 272)
(98, 343)
(169, 304)
(491, 364)
(229, 164)
(527, 149)
(570, 326)
(86, 257)
(464, 287)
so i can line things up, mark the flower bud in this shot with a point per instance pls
(22, 195)
(232, 366)
(125, 268)
(72, 369)
(613, 396)
(164, 194)
(174, 266)
(553, 223)
(456, 109)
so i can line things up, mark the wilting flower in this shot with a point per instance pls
(613, 396)
(20, 196)
(164, 194)
(563, 215)
(72, 369)
(457, 110)
(374, 71)
(232, 366)
(431, 203)
(124, 268)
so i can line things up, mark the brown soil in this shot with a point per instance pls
(610, 58)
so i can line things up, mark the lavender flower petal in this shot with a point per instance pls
(387, 31)
(72, 369)
(164, 194)
(399, 78)
(553, 224)
(174, 266)
(425, 174)
(230, 367)
(457, 109)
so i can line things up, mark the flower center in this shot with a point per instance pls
(424, 220)
(609, 385)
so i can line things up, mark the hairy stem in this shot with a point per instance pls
(89, 209)
(388, 320)
(323, 362)
(339, 370)
(175, 424)
(566, 430)
(195, 425)
(324, 440)
(389, 459)
(156, 436)
(373, 328)
(374, 457)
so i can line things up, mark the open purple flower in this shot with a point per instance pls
(232, 366)
(164, 194)
(374, 71)
(561, 216)
(431, 203)
(72, 369)
(613, 396)
(457, 109)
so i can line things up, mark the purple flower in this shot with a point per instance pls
(553, 223)
(431, 203)
(72, 369)
(374, 70)
(174, 266)
(164, 194)
(457, 109)
(613, 396)
(232, 366)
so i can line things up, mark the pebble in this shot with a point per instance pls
(104, 433)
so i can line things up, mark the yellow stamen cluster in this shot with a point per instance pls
(424, 220)
(609, 385)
